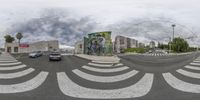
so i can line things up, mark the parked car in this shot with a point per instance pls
(55, 56)
(35, 54)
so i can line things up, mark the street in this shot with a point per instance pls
(134, 77)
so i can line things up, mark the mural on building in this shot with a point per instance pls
(98, 43)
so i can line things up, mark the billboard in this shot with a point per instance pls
(98, 43)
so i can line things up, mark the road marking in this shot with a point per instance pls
(195, 63)
(192, 67)
(100, 65)
(17, 74)
(105, 79)
(13, 67)
(120, 64)
(181, 85)
(105, 70)
(189, 74)
(105, 62)
(8, 64)
(72, 89)
(7, 61)
(25, 86)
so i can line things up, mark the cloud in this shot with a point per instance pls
(54, 24)
(156, 29)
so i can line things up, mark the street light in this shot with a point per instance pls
(173, 25)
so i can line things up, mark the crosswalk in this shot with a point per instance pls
(70, 88)
(9, 63)
(155, 54)
(191, 71)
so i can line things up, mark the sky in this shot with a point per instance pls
(70, 20)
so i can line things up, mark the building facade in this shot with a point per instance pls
(122, 43)
(152, 44)
(27, 48)
(79, 47)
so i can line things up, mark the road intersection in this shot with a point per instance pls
(133, 77)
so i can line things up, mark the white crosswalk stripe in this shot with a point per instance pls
(69, 88)
(192, 67)
(17, 74)
(181, 85)
(195, 64)
(105, 70)
(8, 64)
(25, 86)
(105, 79)
(13, 67)
(189, 74)
(100, 65)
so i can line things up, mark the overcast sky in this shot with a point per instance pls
(69, 20)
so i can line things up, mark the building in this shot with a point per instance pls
(97, 43)
(122, 43)
(141, 45)
(79, 47)
(27, 48)
(152, 44)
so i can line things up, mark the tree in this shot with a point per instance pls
(19, 36)
(179, 45)
(9, 39)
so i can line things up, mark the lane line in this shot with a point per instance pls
(181, 85)
(105, 70)
(100, 65)
(195, 63)
(25, 86)
(104, 62)
(17, 74)
(69, 88)
(8, 64)
(192, 67)
(13, 67)
(104, 79)
(189, 74)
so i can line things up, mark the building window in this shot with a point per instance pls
(15, 49)
(80, 46)
(9, 49)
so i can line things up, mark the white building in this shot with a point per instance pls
(79, 47)
(37, 46)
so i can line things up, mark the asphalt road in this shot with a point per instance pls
(135, 77)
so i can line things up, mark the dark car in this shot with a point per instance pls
(55, 56)
(35, 54)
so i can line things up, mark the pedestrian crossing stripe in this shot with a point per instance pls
(105, 70)
(104, 79)
(69, 88)
(181, 85)
(9, 64)
(189, 74)
(101, 65)
(16, 74)
(25, 86)
(13, 67)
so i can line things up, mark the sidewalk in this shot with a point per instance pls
(99, 58)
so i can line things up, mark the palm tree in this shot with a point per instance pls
(19, 36)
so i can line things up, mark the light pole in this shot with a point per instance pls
(173, 25)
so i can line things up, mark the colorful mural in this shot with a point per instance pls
(98, 43)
